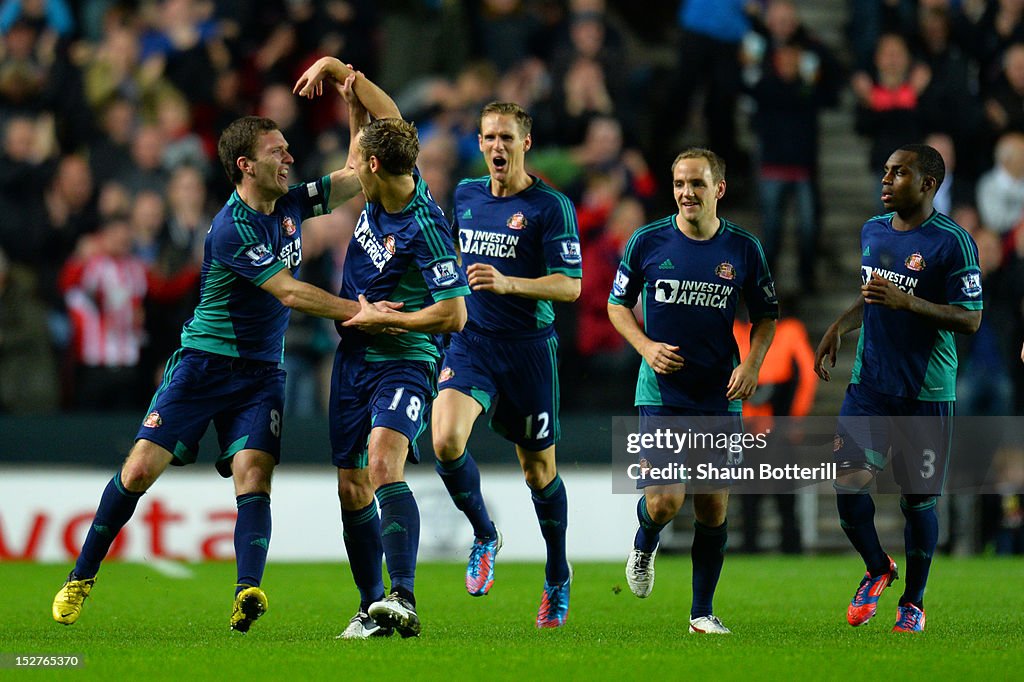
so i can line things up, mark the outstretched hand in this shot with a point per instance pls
(311, 82)
(827, 348)
(375, 318)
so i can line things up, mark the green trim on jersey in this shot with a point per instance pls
(875, 458)
(575, 273)
(668, 222)
(556, 392)
(736, 229)
(211, 322)
(413, 345)
(545, 314)
(939, 384)
(961, 235)
(271, 270)
(568, 212)
(858, 359)
(647, 390)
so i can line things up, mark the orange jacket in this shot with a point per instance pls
(787, 382)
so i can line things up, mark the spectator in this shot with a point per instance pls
(1004, 106)
(145, 170)
(71, 212)
(28, 372)
(950, 193)
(104, 286)
(1000, 190)
(115, 70)
(182, 146)
(708, 60)
(110, 149)
(789, 97)
(887, 104)
(26, 165)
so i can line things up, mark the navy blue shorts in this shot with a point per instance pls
(702, 440)
(394, 394)
(875, 429)
(243, 398)
(519, 378)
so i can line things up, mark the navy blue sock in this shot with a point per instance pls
(400, 535)
(552, 509)
(921, 535)
(252, 538)
(116, 506)
(365, 552)
(462, 479)
(649, 533)
(857, 517)
(707, 555)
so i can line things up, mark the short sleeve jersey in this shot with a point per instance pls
(898, 353)
(530, 234)
(406, 257)
(243, 249)
(689, 291)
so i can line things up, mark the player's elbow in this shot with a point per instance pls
(289, 299)
(572, 291)
(455, 317)
(971, 324)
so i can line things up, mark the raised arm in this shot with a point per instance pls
(377, 102)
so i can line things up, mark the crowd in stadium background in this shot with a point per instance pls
(110, 111)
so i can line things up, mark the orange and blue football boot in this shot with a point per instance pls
(554, 604)
(480, 569)
(909, 618)
(865, 600)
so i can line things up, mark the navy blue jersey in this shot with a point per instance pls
(244, 248)
(689, 291)
(407, 256)
(900, 354)
(530, 234)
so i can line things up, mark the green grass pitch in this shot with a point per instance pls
(787, 616)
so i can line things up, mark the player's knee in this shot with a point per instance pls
(354, 492)
(539, 474)
(382, 471)
(663, 508)
(138, 475)
(447, 447)
(852, 477)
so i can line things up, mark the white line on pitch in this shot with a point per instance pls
(171, 569)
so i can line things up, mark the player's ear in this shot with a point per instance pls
(927, 184)
(244, 164)
(720, 191)
(527, 142)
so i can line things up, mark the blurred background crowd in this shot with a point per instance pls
(110, 112)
